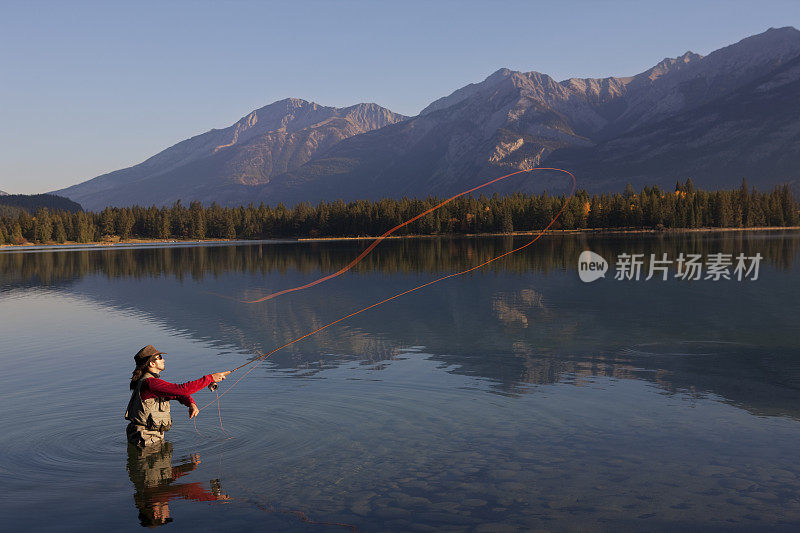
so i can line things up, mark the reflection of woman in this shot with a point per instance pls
(152, 475)
(148, 408)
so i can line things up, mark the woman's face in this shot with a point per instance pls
(157, 364)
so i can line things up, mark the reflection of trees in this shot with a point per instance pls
(520, 322)
(424, 255)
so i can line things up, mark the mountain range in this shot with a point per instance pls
(731, 114)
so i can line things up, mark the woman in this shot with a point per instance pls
(148, 408)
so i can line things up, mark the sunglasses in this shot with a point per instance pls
(157, 358)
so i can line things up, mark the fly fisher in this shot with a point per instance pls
(148, 409)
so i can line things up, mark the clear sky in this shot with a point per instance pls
(90, 87)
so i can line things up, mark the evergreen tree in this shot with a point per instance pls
(594, 218)
(26, 223)
(124, 223)
(107, 221)
(230, 224)
(691, 218)
(724, 210)
(755, 211)
(69, 225)
(84, 233)
(567, 218)
(43, 226)
(790, 207)
(629, 193)
(60, 233)
(506, 222)
(744, 202)
(775, 213)
(164, 224)
(16, 234)
(179, 221)
(248, 223)
(656, 209)
(150, 223)
(197, 220)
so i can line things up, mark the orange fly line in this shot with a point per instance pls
(377, 241)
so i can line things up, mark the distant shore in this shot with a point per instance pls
(584, 231)
(176, 243)
(133, 243)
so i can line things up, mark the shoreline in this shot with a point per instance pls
(552, 232)
(134, 244)
(175, 243)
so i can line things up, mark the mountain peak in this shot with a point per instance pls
(667, 65)
(689, 56)
(285, 105)
(774, 44)
(498, 75)
(469, 90)
(783, 30)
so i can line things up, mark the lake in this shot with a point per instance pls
(515, 397)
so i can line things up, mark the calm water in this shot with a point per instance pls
(513, 398)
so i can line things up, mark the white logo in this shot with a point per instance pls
(591, 266)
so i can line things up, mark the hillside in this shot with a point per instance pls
(224, 165)
(716, 119)
(32, 202)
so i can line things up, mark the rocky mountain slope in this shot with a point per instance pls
(718, 118)
(710, 118)
(752, 131)
(265, 143)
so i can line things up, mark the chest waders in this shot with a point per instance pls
(149, 419)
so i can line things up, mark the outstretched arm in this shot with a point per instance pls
(183, 392)
(159, 387)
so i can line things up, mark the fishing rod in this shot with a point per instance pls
(261, 358)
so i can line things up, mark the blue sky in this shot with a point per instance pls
(90, 87)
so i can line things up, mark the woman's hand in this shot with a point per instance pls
(193, 411)
(219, 376)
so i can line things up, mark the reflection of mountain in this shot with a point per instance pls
(528, 321)
(517, 310)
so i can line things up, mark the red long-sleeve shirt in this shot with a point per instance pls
(189, 491)
(156, 387)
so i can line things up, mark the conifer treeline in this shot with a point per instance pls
(686, 207)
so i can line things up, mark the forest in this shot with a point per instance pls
(650, 208)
